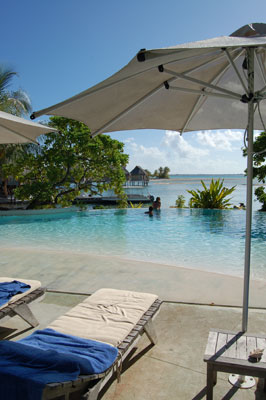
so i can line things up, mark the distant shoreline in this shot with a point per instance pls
(210, 175)
(198, 176)
(180, 178)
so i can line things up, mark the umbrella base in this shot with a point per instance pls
(242, 381)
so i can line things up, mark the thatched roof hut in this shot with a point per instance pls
(139, 176)
(127, 173)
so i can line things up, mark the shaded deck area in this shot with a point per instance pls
(174, 368)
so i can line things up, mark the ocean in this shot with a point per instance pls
(169, 189)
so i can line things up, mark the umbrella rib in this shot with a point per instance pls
(152, 92)
(80, 96)
(201, 99)
(236, 70)
(18, 134)
(261, 91)
(205, 84)
(262, 70)
(201, 92)
(131, 107)
(138, 102)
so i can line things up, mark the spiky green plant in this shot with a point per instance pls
(212, 197)
(139, 205)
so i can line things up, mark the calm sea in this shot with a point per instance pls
(169, 189)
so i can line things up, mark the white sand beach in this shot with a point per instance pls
(85, 273)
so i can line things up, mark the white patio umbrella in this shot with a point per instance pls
(18, 130)
(218, 83)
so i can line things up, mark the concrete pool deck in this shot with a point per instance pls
(173, 369)
(85, 273)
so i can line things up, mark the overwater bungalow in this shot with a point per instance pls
(138, 177)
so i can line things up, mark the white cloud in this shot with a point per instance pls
(180, 146)
(194, 152)
(222, 140)
(256, 134)
(129, 140)
(146, 157)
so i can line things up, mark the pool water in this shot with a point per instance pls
(212, 240)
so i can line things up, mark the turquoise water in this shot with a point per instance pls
(210, 240)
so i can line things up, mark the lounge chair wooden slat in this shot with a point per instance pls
(231, 346)
(233, 357)
(21, 308)
(90, 385)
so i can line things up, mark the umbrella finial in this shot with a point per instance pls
(254, 29)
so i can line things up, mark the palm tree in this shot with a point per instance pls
(14, 102)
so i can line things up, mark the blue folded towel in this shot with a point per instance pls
(10, 289)
(95, 357)
(24, 372)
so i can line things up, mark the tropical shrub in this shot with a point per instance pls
(139, 205)
(180, 202)
(259, 166)
(261, 197)
(212, 197)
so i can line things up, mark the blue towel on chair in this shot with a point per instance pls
(10, 289)
(24, 370)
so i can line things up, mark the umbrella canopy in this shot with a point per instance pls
(195, 86)
(18, 130)
(218, 83)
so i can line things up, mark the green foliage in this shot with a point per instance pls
(139, 205)
(148, 172)
(180, 202)
(212, 197)
(8, 155)
(261, 196)
(68, 163)
(259, 168)
(162, 173)
(81, 206)
(13, 102)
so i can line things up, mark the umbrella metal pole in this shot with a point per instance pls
(242, 381)
(250, 57)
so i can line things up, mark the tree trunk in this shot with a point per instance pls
(5, 189)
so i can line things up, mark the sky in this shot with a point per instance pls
(62, 47)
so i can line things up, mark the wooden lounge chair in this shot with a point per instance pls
(18, 304)
(89, 386)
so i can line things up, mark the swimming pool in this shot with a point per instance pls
(211, 240)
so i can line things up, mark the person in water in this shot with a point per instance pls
(157, 204)
(150, 212)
